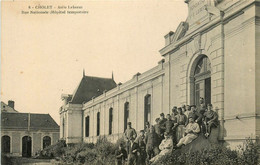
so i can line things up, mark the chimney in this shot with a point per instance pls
(11, 104)
(168, 38)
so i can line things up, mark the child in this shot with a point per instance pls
(121, 155)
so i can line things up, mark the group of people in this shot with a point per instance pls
(179, 128)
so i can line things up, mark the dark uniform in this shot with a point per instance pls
(152, 144)
(210, 119)
(169, 126)
(196, 116)
(129, 133)
(121, 156)
(132, 156)
(159, 131)
(142, 150)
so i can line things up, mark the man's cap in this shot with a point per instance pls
(157, 119)
(129, 123)
(162, 114)
(147, 123)
(210, 104)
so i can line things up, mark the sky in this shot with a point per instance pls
(43, 56)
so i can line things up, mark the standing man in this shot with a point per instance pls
(133, 149)
(158, 129)
(147, 127)
(152, 143)
(197, 117)
(202, 106)
(129, 133)
(142, 147)
(181, 122)
(162, 122)
(188, 111)
(173, 114)
(169, 125)
(183, 107)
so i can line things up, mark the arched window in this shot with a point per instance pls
(46, 141)
(147, 109)
(202, 80)
(98, 123)
(110, 121)
(126, 114)
(5, 144)
(87, 126)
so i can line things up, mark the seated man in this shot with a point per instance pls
(165, 147)
(192, 130)
(210, 120)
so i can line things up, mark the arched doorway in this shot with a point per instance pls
(5, 144)
(26, 146)
(46, 141)
(202, 81)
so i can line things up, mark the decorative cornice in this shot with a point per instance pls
(174, 46)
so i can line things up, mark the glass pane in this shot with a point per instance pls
(202, 66)
(208, 64)
(199, 67)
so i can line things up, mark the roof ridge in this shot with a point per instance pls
(98, 77)
(29, 113)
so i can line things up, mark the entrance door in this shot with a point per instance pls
(202, 77)
(207, 91)
(203, 89)
(27, 146)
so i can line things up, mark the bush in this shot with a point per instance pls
(217, 155)
(53, 151)
(103, 152)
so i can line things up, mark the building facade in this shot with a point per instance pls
(214, 54)
(24, 134)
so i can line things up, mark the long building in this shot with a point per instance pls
(214, 54)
